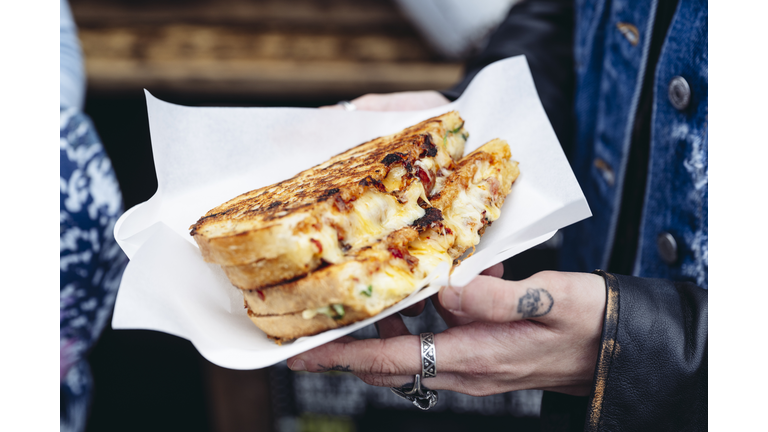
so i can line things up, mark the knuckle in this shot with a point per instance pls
(473, 387)
(498, 307)
(477, 370)
(376, 380)
(382, 364)
(482, 390)
(545, 276)
(502, 304)
(552, 278)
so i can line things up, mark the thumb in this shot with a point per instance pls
(491, 299)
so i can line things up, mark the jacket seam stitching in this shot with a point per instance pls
(608, 250)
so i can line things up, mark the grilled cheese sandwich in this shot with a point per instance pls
(344, 240)
(378, 276)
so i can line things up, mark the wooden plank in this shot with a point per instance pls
(337, 14)
(211, 60)
(268, 78)
(184, 41)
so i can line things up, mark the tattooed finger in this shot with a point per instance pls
(536, 302)
(337, 368)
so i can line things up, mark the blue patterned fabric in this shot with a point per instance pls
(71, 68)
(91, 262)
(610, 68)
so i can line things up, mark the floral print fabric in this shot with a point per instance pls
(91, 262)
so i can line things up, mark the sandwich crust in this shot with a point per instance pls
(285, 328)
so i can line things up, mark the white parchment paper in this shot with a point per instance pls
(205, 156)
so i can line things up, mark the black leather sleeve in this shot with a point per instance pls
(651, 372)
(542, 30)
(652, 366)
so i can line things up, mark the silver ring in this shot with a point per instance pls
(347, 105)
(428, 359)
(418, 394)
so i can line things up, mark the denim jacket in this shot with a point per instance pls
(652, 364)
(589, 61)
(611, 45)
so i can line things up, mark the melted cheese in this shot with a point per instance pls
(465, 215)
(394, 280)
(376, 214)
(394, 179)
(331, 252)
(454, 144)
(431, 249)
(329, 311)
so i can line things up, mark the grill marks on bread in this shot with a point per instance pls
(344, 177)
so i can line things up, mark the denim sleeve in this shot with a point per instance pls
(72, 73)
(542, 30)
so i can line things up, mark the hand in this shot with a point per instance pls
(539, 333)
(415, 309)
(402, 101)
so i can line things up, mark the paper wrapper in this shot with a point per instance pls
(205, 156)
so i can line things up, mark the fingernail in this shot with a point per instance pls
(298, 366)
(451, 299)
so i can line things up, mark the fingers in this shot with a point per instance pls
(414, 309)
(548, 297)
(496, 270)
(486, 299)
(391, 326)
(449, 318)
(399, 355)
(440, 382)
(297, 364)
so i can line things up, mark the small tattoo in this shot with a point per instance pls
(535, 303)
(336, 368)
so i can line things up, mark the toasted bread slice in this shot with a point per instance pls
(376, 277)
(288, 229)
(285, 328)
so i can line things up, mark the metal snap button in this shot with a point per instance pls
(667, 247)
(630, 32)
(679, 93)
(605, 170)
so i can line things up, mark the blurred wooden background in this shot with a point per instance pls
(256, 49)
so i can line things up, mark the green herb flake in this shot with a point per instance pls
(339, 309)
(445, 141)
(325, 310)
(368, 291)
(455, 131)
